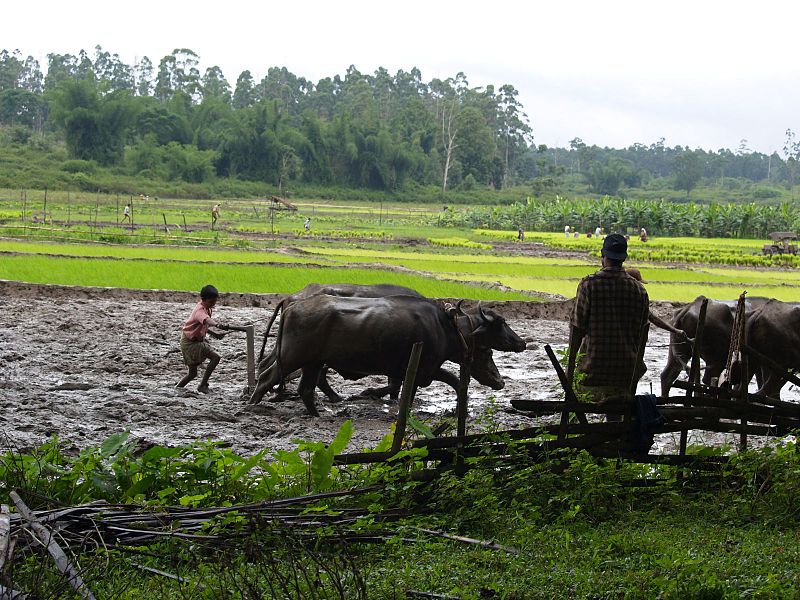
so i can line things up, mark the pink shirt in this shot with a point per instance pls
(198, 323)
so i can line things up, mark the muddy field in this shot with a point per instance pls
(83, 364)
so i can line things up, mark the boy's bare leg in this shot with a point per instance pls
(213, 361)
(189, 376)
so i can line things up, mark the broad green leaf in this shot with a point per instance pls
(112, 444)
(342, 438)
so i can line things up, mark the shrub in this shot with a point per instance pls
(79, 166)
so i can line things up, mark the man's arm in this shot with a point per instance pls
(662, 324)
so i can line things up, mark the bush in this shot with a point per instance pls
(79, 166)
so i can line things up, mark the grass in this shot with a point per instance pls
(581, 527)
(155, 253)
(527, 274)
(230, 278)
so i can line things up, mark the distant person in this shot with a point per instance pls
(566, 230)
(521, 234)
(643, 234)
(609, 326)
(214, 215)
(194, 347)
(598, 231)
(575, 234)
(307, 224)
(126, 213)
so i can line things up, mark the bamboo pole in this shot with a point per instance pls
(5, 534)
(569, 393)
(45, 536)
(694, 370)
(462, 398)
(406, 396)
(11, 594)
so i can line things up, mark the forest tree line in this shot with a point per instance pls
(375, 131)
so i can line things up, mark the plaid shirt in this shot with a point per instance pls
(611, 310)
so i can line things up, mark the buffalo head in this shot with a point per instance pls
(484, 370)
(490, 330)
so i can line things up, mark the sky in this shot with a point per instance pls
(701, 73)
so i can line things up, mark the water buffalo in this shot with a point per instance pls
(343, 290)
(715, 342)
(373, 336)
(773, 329)
(350, 290)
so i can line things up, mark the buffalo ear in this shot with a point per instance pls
(459, 311)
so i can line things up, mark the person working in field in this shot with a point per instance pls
(126, 213)
(609, 325)
(194, 347)
(214, 215)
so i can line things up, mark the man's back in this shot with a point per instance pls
(612, 309)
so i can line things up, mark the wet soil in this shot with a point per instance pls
(83, 363)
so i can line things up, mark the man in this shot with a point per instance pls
(609, 325)
(214, 215)
(126, 213)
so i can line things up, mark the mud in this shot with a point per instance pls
(83, 363)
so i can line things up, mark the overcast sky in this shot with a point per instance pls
(699, 73)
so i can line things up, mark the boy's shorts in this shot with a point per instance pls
(194, 352)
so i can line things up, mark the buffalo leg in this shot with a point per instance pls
(308, 384)
(266, 381)
(394, 387)
(325, 387)
(677, 361)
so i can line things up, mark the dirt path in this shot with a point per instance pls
(83, 364)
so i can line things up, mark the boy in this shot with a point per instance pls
(194, 347)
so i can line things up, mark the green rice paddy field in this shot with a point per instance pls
(434, 271)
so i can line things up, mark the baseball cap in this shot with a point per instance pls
(615, 247)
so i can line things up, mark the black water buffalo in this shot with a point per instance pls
(773, 329)
(714, 345)
(343, 290)
(373, 336)
(351, 290)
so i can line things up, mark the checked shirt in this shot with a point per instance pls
(611, 309)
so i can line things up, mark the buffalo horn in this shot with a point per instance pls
(483, 315)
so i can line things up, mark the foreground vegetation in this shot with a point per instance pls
(581, 527)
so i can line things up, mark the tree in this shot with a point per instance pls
(791, 150)
(687, 169)
(606, 178)
(476, 147)
(143, 77)
(243, 95)
(215, 85)
(515, 131)
(448, 96)
(95, 127)
(112, 74)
